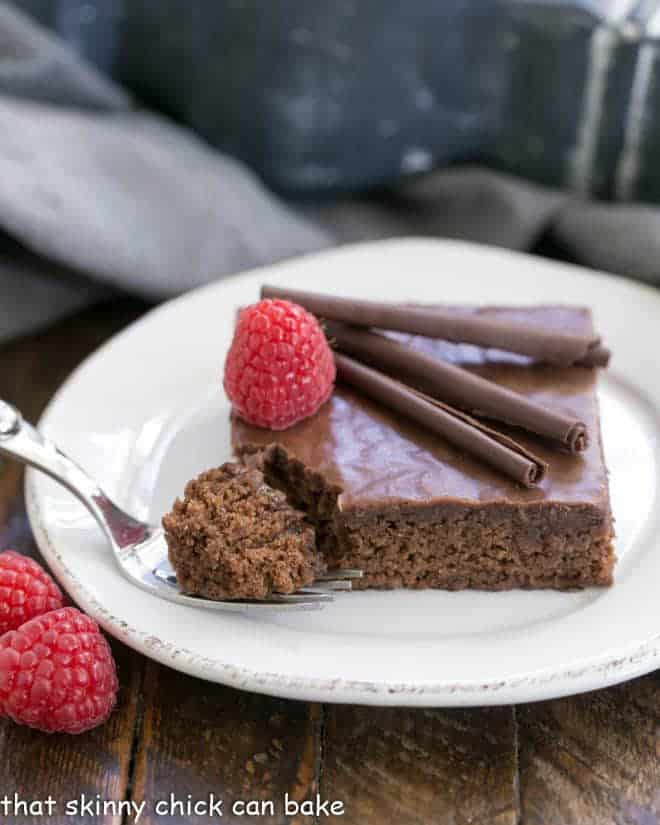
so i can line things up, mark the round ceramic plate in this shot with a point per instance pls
(146, 412)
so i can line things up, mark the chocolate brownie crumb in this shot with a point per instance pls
(235, 537)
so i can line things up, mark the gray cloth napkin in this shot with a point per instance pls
(98, 195)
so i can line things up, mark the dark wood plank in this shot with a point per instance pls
(37, 766)
(32, 764)
(593, 759)
(421, 767)
(200, 739)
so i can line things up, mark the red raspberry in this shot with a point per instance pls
(26, 590)
(279, 368)
(57, 673)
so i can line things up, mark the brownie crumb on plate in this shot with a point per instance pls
(235, 537)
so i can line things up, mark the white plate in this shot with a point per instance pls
(146, 412)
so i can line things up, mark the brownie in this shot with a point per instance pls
(412, 511)
(235, 537)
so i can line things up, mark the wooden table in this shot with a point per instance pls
(593, 758)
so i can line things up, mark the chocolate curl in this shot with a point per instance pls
(491, 447)
(458, 387)
(598, 356)
(543, 344)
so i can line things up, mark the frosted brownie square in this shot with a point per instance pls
(412, 511)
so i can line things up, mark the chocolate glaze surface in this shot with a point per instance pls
(379, 460)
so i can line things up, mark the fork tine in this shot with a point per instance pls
(251, 607)
(336, 580)
(325, 586)
(164, 576)
(299, 597)
(340, 573)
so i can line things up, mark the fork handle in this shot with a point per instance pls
(22, 442)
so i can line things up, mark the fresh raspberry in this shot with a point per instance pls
(26, 590)
(57, 673)
(279, 368)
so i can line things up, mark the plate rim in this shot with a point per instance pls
(602, 671)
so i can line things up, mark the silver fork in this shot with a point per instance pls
(140, 549)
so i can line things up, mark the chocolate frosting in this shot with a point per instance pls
(456, 386)
(463, 432)
(377, 458)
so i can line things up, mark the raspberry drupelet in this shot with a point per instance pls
(279, 368)
(26, 590)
